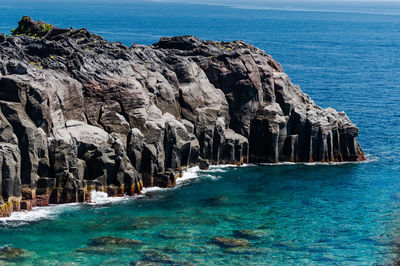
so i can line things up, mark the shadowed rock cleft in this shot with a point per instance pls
(78, 113)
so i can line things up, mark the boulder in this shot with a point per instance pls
(203, 164)
(10, 181)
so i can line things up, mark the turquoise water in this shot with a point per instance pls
(303, 214)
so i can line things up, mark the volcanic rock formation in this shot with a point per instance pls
(79, 113)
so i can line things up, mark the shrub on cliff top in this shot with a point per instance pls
(28, 27)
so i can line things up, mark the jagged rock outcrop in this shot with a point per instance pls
(79, 113)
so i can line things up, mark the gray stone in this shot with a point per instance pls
(10, 166)
(204, 165)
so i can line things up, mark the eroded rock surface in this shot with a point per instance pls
(79, 113)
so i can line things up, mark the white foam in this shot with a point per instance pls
(368, 160)
(152, 189)
(277, 164)
(216, 170)
(220, 166)
(101, 198)
(52, 211)
(37, 213)
(191, 173)
(212, 177)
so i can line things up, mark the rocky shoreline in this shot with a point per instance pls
(79, 113)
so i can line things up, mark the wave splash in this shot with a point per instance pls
(36, 214)
(102, 198)
(51, 212)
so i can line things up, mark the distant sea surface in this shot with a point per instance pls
(343, 214)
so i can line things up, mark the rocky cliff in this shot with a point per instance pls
(78, 113)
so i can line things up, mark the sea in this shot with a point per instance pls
(344, 55)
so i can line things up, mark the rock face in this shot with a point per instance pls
(79, 113)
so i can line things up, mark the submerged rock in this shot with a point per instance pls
(158, 257)
(249, 234)
(225, 242)
(110, 241)
(247, 251)
(108, 245)
(170, 250)
(101, 250)
(168, 234)
(145, 263)
(79, 113)
(150, 263)
(215, 201)
(8, 253)
(146, 222)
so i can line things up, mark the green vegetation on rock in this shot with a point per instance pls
(28, 27)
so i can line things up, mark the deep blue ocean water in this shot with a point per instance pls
(346, 214)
